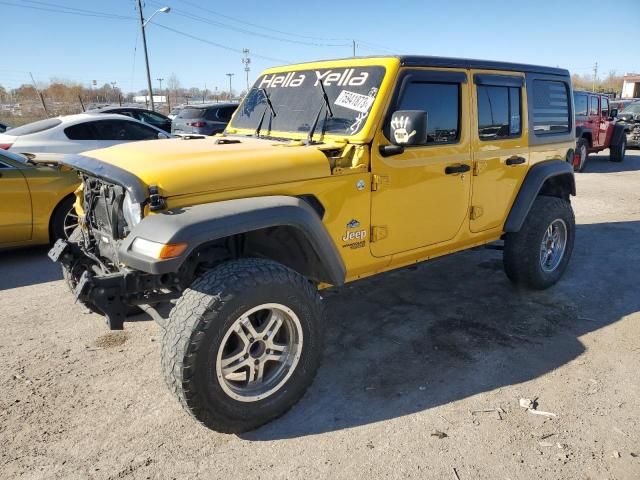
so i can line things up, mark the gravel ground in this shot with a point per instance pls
(409, 353)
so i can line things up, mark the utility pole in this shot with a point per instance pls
(595, 76)
(246, 60)
(160, 80)
(230, 90)
(354, 48)
(146, 55)
(113, 87)
(39, 93)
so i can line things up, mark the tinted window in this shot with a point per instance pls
(122, 130)
(211, 114)
(191, 113)
(81, 131)
(225, 113)
(593, 109)
(498, 112)
(152, 118)
(550, 107)
(35, 127)
(604, 106)
(441, 101)
(581, 103)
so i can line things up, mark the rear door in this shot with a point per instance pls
(15, 205)
(606, 125)
(501, 152)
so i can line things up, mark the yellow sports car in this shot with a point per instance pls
(36, 199)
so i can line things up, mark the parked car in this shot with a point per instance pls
(4, 127)
(596, 129)
(620, 104)
(145, 116)
(388, 162)
(174, 112)
(36, 199)
(77, 133)
(629, 118)
(203, 119)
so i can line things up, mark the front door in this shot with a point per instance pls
(420, 197)
(15, 205)
(594, 120)
(501, 152)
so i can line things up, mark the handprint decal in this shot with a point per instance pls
(399, 126)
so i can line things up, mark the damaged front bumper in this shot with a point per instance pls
(112, 294)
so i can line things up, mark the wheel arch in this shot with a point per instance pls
(618, 134)
(582, 132)
(552, 178)
(285, 229)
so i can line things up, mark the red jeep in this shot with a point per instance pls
(596, 129)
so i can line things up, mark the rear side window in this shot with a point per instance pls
(582, 104)
(122, 130)
(604, 107)
(81, 131)
(190, 113)
(441, 101)
(35, 127)
(225, 113)
(593, 108)
(498, 112)
(211, 114)
(550, 107)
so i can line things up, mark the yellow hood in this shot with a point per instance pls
(180, 167)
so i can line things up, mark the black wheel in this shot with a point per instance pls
(243, 343)
(537, 255)
(64, 220)
(73, 273)
(616, 153)
(582, 146)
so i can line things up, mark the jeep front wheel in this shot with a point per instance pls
(243, 343)
(616, 152)
(538, 254)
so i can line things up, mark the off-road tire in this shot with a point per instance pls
(201, 318)
(521, 256)
(616, 152)
(582, 147)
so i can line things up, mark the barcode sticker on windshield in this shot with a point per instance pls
(354, 101)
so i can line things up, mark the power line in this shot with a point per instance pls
(209, 21)
(219, 45)
(69, 12)
(261, 26)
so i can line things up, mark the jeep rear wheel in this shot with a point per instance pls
(537, 255)
(582, 149)
(616, 153)
(243, 343)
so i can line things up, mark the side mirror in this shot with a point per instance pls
(613, 113)
(409, 127)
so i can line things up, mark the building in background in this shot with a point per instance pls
(631, 86)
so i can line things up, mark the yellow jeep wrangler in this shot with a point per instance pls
(328, 172)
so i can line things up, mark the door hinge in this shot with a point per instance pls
(378, 232)
(476, 212)
(377, 181)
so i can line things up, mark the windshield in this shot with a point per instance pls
(297, 97)
(633, 108)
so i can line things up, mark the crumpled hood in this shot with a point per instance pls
(179, 167)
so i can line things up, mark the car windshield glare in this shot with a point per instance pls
(633, 108)
(35, 127)
(296, 97)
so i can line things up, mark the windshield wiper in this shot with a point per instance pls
(326, 104)
(268, 107)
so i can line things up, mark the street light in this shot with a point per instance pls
(143, 24)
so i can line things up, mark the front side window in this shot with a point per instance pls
(604, 107)
(498, 112)
(582, 104)
(297, 98)
(593, 107)
(550, 107)
(441, 102)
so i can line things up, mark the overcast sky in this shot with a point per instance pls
(201, 40)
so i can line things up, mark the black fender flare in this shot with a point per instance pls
(532, 185)
(618, 134)
(582, 132)
(201, 224)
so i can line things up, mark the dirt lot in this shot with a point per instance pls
(408, 353)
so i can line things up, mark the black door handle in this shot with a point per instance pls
(451, 169)
(515, 160)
